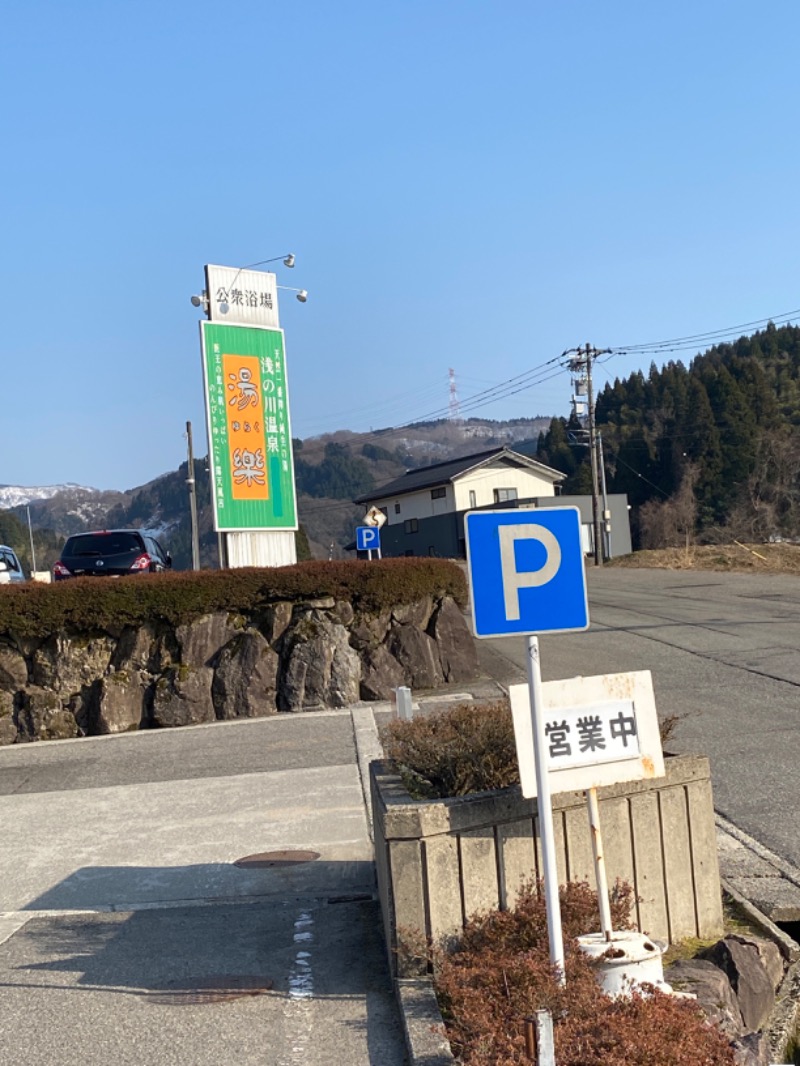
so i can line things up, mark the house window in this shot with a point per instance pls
(411, 525)
(472, 500)
(397, 508)
(438, 494)
(504, 495)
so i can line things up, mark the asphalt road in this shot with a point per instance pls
(724, 651)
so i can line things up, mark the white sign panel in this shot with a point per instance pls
(598, 731)
(588, 735)
(243, 297)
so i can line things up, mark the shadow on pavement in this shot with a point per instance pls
(131, 887)
(185, 954)
(247, 982)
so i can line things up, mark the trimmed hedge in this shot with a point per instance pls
(91, 604)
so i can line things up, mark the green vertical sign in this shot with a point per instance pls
(249, 436)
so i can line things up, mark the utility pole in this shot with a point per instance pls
(606, 512)
(33, 550)
(192, 500)
(598, 550)
(582, 361)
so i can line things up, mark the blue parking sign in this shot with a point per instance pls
(368, 538)
(526, 571)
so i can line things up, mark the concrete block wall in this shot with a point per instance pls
(438, 862)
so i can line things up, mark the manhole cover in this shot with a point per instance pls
(216, 989)
(276, 858)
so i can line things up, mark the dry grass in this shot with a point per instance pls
(763, 558)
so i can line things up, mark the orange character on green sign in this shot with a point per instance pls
(244, 413)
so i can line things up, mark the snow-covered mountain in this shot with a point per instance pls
(18, 495)
(68, 509)
(163, 503)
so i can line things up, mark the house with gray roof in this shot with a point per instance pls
(425, 507)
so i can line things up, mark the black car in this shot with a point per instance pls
(111, 553)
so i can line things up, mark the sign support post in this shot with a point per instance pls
(527, 577)
(599, 862)
(545, 808)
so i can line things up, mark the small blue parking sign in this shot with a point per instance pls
(526, 571)
(368, 538)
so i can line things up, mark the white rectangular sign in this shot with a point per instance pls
(594, 733)
(598, 731)
(242, 297)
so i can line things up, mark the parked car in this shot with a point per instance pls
(111, 553)
(10, 566)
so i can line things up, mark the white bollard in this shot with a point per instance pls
(402, 697)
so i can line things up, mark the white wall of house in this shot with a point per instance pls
(482, 482)
(417, 505)
(485, 480)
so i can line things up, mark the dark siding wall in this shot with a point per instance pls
(445, 533)
(439, 532)
(620, 519)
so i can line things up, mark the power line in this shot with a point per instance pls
(510, 387)
(503, 390)
(389, 402)
(693, 339)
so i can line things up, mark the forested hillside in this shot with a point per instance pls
(330, 470)
(705, 453)
(708, 452)
(16, 534)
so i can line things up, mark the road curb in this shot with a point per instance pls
(368, 748)
(423, 1026)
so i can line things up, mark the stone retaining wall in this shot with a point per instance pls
(438, 862)
(300, 656)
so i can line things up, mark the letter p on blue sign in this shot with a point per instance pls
(526, 571)
(368, 538)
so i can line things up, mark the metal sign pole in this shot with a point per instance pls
(599, 862)
(545, 809)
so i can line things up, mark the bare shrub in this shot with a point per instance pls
(671, 523)
(500, 972)
(465, 749)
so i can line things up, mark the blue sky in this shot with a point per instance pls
(465, 184)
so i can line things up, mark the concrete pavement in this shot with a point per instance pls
(131, 935)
